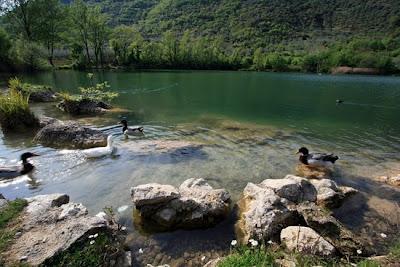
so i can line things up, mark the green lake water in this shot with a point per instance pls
(250, 125)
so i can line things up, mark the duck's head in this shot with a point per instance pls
(303, 151)
(124, 123)
(28, 155)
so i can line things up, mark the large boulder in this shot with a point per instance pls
(194, 205)
(330, 194)
(263, 214)
(70, 134)
(51, 225)
(46, 94)
(306, 240)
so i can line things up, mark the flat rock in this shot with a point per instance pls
(50, 225)
(306, 240)
(70, 134)
(330, 194)
(194, 205)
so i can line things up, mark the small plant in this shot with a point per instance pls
(98, 92)
(14, 110)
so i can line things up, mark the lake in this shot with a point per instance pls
(250, 125)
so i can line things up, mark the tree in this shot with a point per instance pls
(5, 45)
(121, 38)
(258, 59)
(52, 24)
(80, 16)
(98, 32)
(170, 47)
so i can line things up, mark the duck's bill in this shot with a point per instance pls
(35, 155)
(298, 152)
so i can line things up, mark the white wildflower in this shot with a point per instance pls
(359, 251)
(383, 235)
(92, 242)
(234, 242)
(270, 242)
(254, 243)
(140, 251)
(123, 228)
(95, 235)
(91, 236)
(203, 258)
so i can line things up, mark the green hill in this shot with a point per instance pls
(258, 23)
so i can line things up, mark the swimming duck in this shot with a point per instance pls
(130, 131)
(339, 101)
(15, 171)
(316, 159)
(100, 151)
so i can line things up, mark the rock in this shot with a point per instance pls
(393, 180)
(3, 201)
(69, 134)
(306, 240)
(330, 194)
(194, 205)
(213, 263)
(44, 95)
(285, 263)
(44, 121)
(293, 188)
(313, 172)
(262, 214)
(50, 226)
(150, 194)
(83, 107)
(325, 224)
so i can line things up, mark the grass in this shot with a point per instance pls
(14, 110)
(243, 257)
(7, 215)
(27, 88)
(85, 254)
(395, 251)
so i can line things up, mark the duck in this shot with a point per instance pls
(339, 101)
(316, 159)
(130, 131)
(98, 152)
(8, 172)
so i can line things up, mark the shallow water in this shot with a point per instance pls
(250, 125)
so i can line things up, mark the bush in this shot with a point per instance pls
(14, 111)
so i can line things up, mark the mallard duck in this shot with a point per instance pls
(339, 101)
(130, 131)
(100, 151)
(316, 159)
(15, 171)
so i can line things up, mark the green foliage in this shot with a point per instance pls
(26, 88)
(395, 250)
(14, 110)
(245, 257)
(5, 46)
(7, 215)
(85, 254)
(98, 92)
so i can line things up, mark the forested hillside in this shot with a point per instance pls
(257, 23)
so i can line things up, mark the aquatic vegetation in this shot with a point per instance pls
(15, 112)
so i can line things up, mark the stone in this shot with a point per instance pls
(310, 172)
(3, 201)
(194, 205)
(262, 214)
(44, 235)
(69, 134)
(293, 188)
(150, 194)
(330, 194)
(390, 180)
(306, 240)
(83, 107)
(285, 263)
(213, 263)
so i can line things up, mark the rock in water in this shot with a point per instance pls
(194, 205)
(70, 134)
(83, 107)
(330, 194)
(306, 240)
(51, 225)
(313, 172)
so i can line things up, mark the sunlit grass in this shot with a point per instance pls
(7, 215)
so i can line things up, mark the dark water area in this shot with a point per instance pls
(250, 125)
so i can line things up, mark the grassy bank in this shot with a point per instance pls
(8, 219)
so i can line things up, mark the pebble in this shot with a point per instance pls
(23, 258)
(18, 234)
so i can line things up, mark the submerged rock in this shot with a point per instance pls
(390, 180)
(310, 172)
(194, 205)
(70, 134)
(83, 107)
(51, 225)
(306, 240)
(330, 194)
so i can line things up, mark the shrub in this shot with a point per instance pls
(14, 111)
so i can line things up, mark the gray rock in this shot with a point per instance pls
(293, 188)
(194, 205)
(44, 235)
(263, 214)
(3, 201)
(330, 194)
(83, 107)
(306, 240)
(70, 134)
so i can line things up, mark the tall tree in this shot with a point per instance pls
(98, 32)
(80, 25)
(121, 38)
